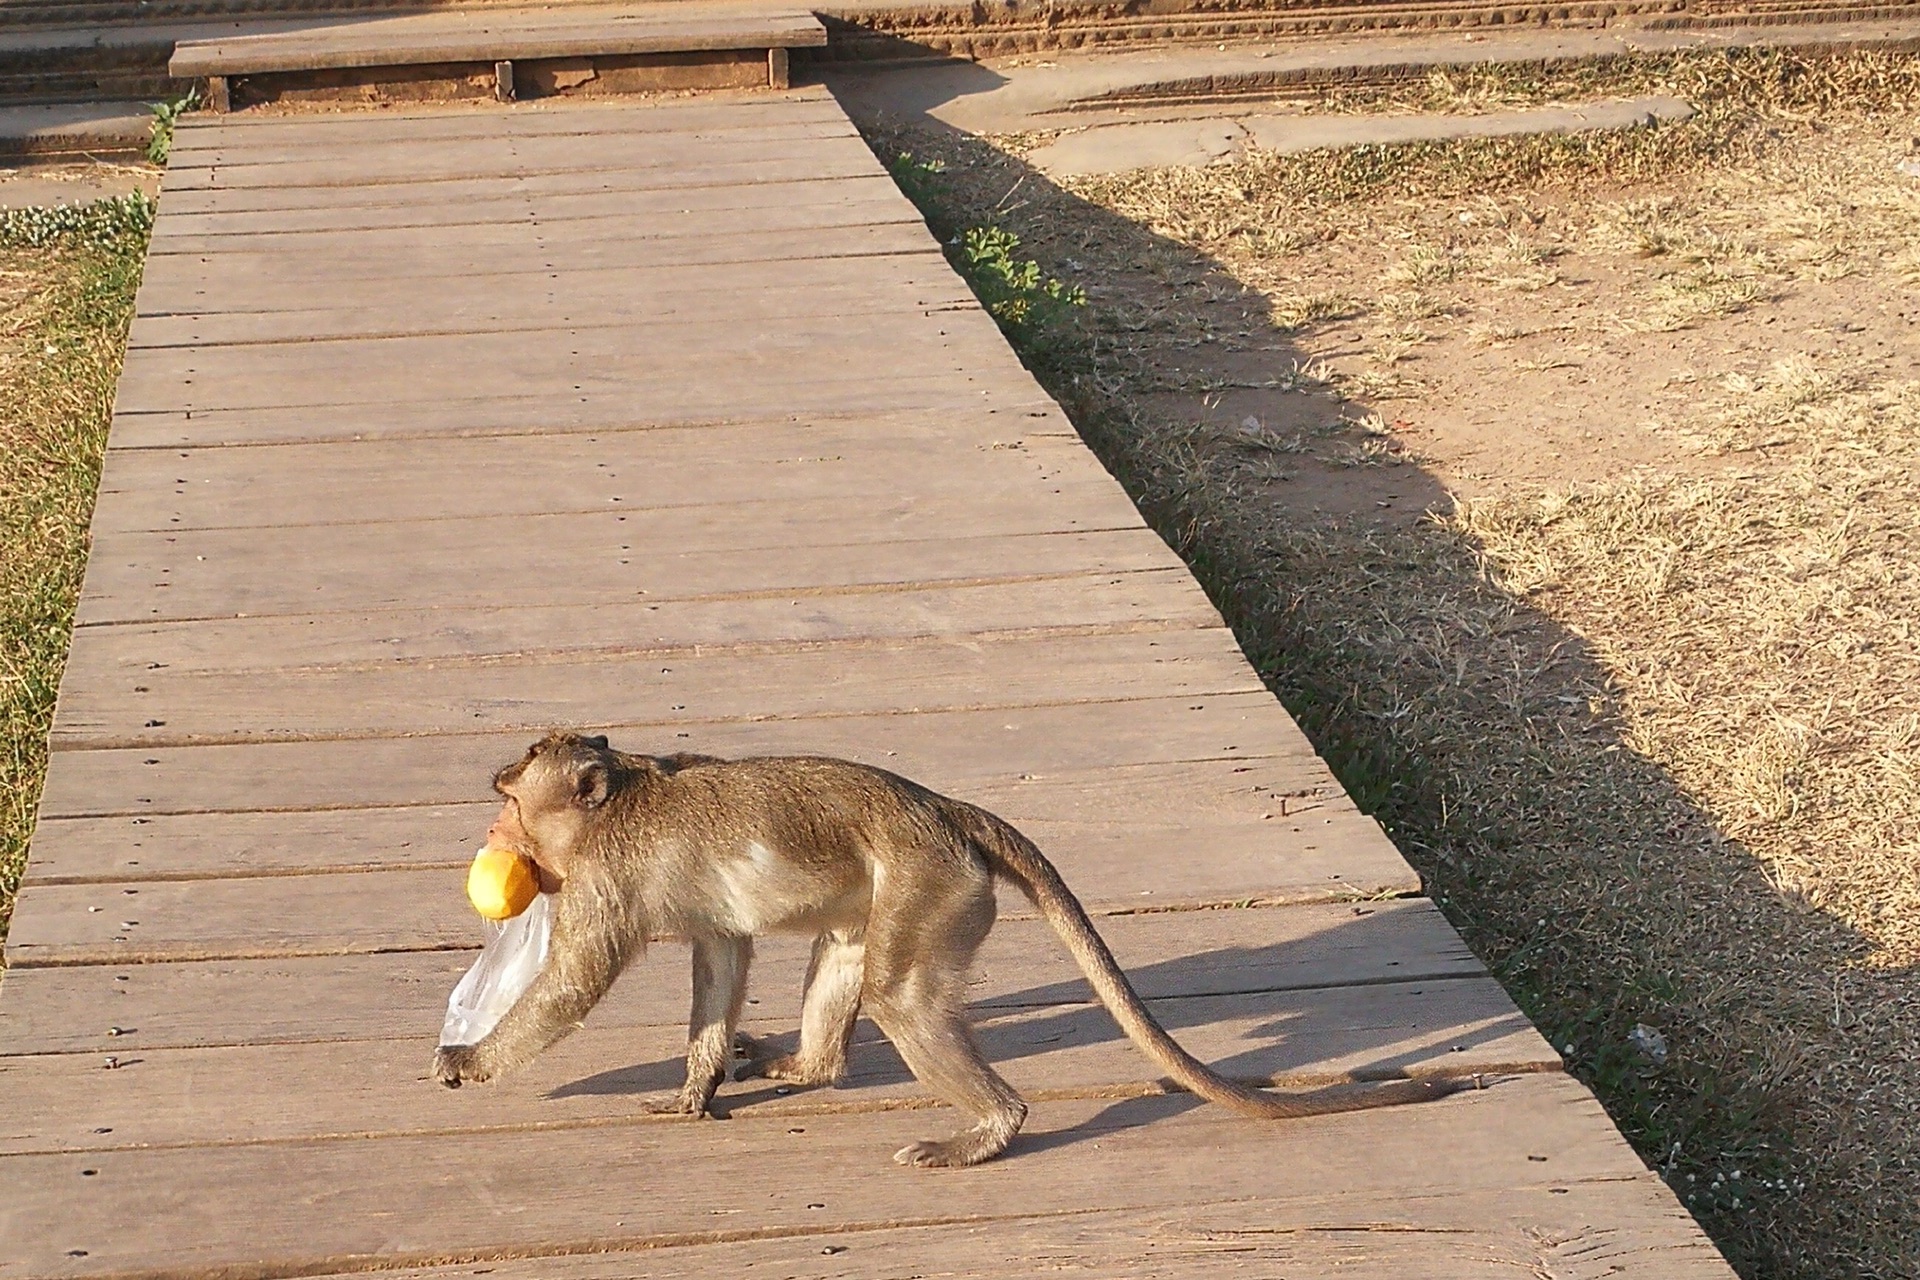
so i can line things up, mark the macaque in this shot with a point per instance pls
(893, 881)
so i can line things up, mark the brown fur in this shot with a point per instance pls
(894, 881)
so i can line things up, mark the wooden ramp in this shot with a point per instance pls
(438, 429)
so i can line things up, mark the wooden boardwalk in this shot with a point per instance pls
(438, 429)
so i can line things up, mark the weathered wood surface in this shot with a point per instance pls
(955, 751)
(637, 294)
(861, 459)
(676, 206)
(667, 420)
(208, 575)
(545, 1192)
(648, 406)
(494, 236)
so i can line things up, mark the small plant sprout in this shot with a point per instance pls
(165, 116)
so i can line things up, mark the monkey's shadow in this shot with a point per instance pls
(1235, 995)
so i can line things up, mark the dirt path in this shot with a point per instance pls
(1643, 707)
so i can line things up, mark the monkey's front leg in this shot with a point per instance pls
(719, 991)
(593, 940)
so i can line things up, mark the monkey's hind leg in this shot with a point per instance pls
(719, 991)
(917, 963)
(827, 1013)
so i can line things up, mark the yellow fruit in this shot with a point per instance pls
(501, 883)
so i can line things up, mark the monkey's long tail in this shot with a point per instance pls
(1018, 859)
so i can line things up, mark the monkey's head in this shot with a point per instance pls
(553, 793)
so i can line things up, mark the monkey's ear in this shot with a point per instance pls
(591, 786)
(598, 741)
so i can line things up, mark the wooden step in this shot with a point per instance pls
(503, 54)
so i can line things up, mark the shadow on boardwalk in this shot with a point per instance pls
(1058, 1015)
(1484, 735)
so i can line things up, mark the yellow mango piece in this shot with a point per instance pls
(501, 884)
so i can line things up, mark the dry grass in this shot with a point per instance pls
(1645, 707)
(66, 296)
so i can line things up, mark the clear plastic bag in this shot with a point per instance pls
(508, 964)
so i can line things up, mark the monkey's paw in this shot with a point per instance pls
(765, 1062)
(775, 1066)
(455, 1063)
(929, 1155)
(958, 1152)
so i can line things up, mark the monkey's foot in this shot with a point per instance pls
(780, 1066)
(957, 1152)
(982, 1142)
(764, 1062)
(954, 1153)
(675, 1104)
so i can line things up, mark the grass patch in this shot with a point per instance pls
(1652, 739)
(67, 280)
(1031, 308)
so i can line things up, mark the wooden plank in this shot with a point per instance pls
(507, 560)
(882, 395)
(403, 995)
(574, 301)
(748, 160)
(203, 846)
(565, 365)
(277, 134)
(600, 1075)
(639, 345)
(559, 362)
(377, 158)
(534, 233)
(280, 698)
(341, 481)
(211, 1209)
(740, 180)
(1328, 852)
(949, 751)
(127, 656)
(640, 207)
(1597, 1231)
(721, 135)
(183, 286)
(616, 295)
(1464, 1237)
(639, 389)
(1150, 807)
(178, 281)
(657, 405)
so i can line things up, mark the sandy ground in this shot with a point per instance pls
(1576, 516)
(25, 185)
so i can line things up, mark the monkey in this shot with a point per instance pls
(893, 881)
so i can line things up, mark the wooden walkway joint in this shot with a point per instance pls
(437, 429)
